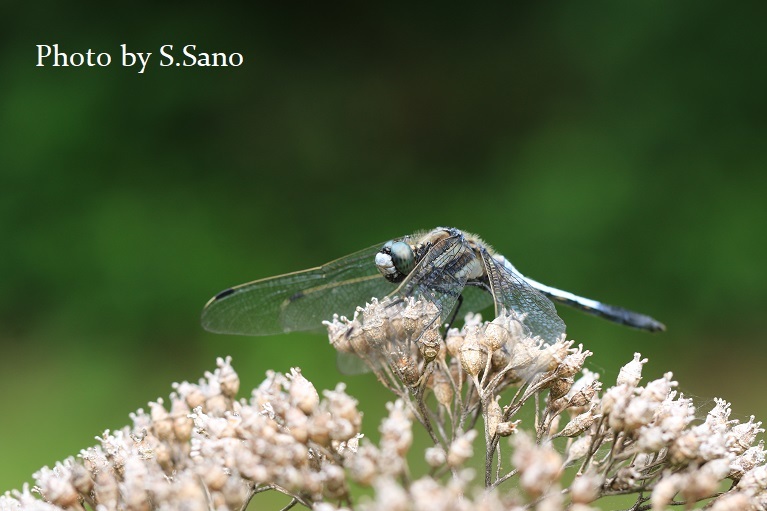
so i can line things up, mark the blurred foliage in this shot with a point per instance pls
(614, 150)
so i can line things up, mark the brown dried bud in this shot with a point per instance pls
(57, 490)
(748, 460)
(442, 388)
(473, 356)
(584, 395)
(539, 466)
(214, 476)
(194, 398)
(340, 332)
(500, 358)
(454, 340)
(493, 415)
(358, 341)
(496, 334)
(334, 481)
(665, 489)
(362, 468)
(573, 362)
(579, 424)
(162, 425)
(396, 324)
(374, 328)
(319, 428)
(297, 423)
(560, 387)
(557, 405)
(412, 316)
(524, 354)
(430, 344)
(81, 479)
(182, 425)
(732, 502)
(407, 367)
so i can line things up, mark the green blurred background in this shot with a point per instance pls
(614, 150)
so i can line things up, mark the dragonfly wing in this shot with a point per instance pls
(512, 292)
(475, 299)
(440, 277)
(351, 364)
(297, 301)
(437, 279)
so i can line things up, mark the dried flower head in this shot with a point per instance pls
(203, 449)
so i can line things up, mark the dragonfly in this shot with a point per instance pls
(453, 269)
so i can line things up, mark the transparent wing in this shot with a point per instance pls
(510, 290)
(351, 364)
(297, 301)
(475, 299)
(440, 277)
(433, 279)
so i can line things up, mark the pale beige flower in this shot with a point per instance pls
(203, 449)
(461, 449)
(540, 466)
(631, 373)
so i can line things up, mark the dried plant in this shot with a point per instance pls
(576, 444)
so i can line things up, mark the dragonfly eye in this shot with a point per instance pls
(395, 261)
(403, 258)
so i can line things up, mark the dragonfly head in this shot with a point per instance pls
(395, 260)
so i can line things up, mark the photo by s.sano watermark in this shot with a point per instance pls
(52, 55)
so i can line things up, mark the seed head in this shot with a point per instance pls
(435, 456)
(579, 448)
(579, 424)
(302, 392)
(585, 488)
(493, 415)
(407, 367)
(748, 460)
(573, 362)
(442, 388)
(507, 428)
(453, 341)
(540, 466)
(340, 332)
(411, 316)
(431, 343)
(584, 396)
(631, 373)
(473, 356)
(461, 449)
(162, 424)
(496, 334)
(227, 377)
(374, 325)
(560, 387)
(740, 437)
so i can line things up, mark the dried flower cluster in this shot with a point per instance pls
(466, 371)
(211, 451)
(628, 439)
